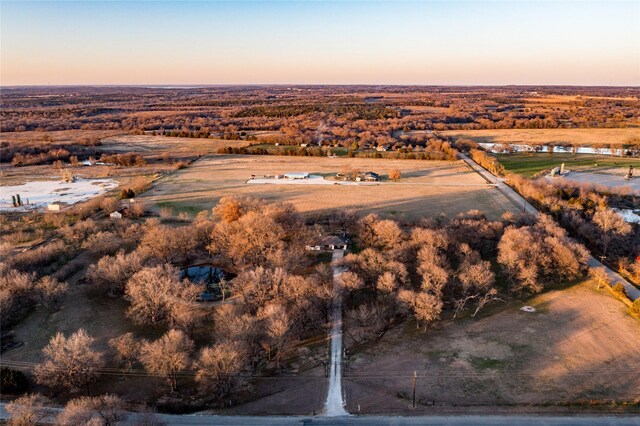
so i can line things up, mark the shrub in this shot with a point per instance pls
(126, 193)
(619, 289)
(634, 309)
(13, 382)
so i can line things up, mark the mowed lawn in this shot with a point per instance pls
(426, 189)
(528, 164)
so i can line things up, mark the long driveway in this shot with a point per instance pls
(632, 291)
(335, 400)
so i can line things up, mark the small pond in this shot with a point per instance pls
(210, 277)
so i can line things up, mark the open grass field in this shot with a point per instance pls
(545, 136)
(580, 345)
(528, 164)
(427, 188)
(155, 145)
(63, 137)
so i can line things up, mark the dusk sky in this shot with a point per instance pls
(460, 43)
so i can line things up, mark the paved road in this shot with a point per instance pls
(335, 400)
(632, 291)
(470, 420)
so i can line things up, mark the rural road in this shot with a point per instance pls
(335, 401)
(470, 420)
(632, 291)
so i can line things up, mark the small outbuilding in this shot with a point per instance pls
(116, 215)
(371, 177)
(54, 207)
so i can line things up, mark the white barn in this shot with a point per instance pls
(297, 175)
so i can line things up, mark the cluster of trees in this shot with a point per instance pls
(104, 410)
(434, 150)
(447, 265)
(44, 148)
(583, 210)
(19, 159)
(20, 291)
(282, 298)
(585, 213)
(128, 159)
(345, 115)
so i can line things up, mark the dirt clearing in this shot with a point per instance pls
(579, 345)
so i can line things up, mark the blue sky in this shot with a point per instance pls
(592, 43)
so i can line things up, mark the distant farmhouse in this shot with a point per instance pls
(296, 175)
(328, 243)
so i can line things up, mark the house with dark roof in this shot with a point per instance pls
(328, 243)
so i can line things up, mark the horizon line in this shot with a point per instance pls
(195, 85)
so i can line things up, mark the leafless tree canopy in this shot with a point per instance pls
(70, 363)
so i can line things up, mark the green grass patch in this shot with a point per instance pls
(481, 363)
(528, 164)
(177, 207)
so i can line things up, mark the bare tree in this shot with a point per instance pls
(110, 204)
(350, 281)
(394, 174)
(364, 321)
(113, 272)
(218, 368)
(168, 355)
(426, 307)
(69, 362)
(277, 327)
(157, 296)
(29, 410)
(600, 275)
(612, 225)
(104, 410)
(51, 292)
(16, 293)
(229, 209)
(126, 349)
(387, 283)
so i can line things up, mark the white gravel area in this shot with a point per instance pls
(41, 193)
(311, 180)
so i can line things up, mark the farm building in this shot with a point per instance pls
(297, 175)
(116, 215)
(54, 207)
(368, 177)
(328, 243)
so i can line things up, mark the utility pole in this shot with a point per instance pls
(415, 378)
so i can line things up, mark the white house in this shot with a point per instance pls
(328, 243)
(53, 207)
(116, 215)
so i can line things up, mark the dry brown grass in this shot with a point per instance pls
(580, 346)
(427, 188)
(148, 144)
(57, 137)
(544, 136)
